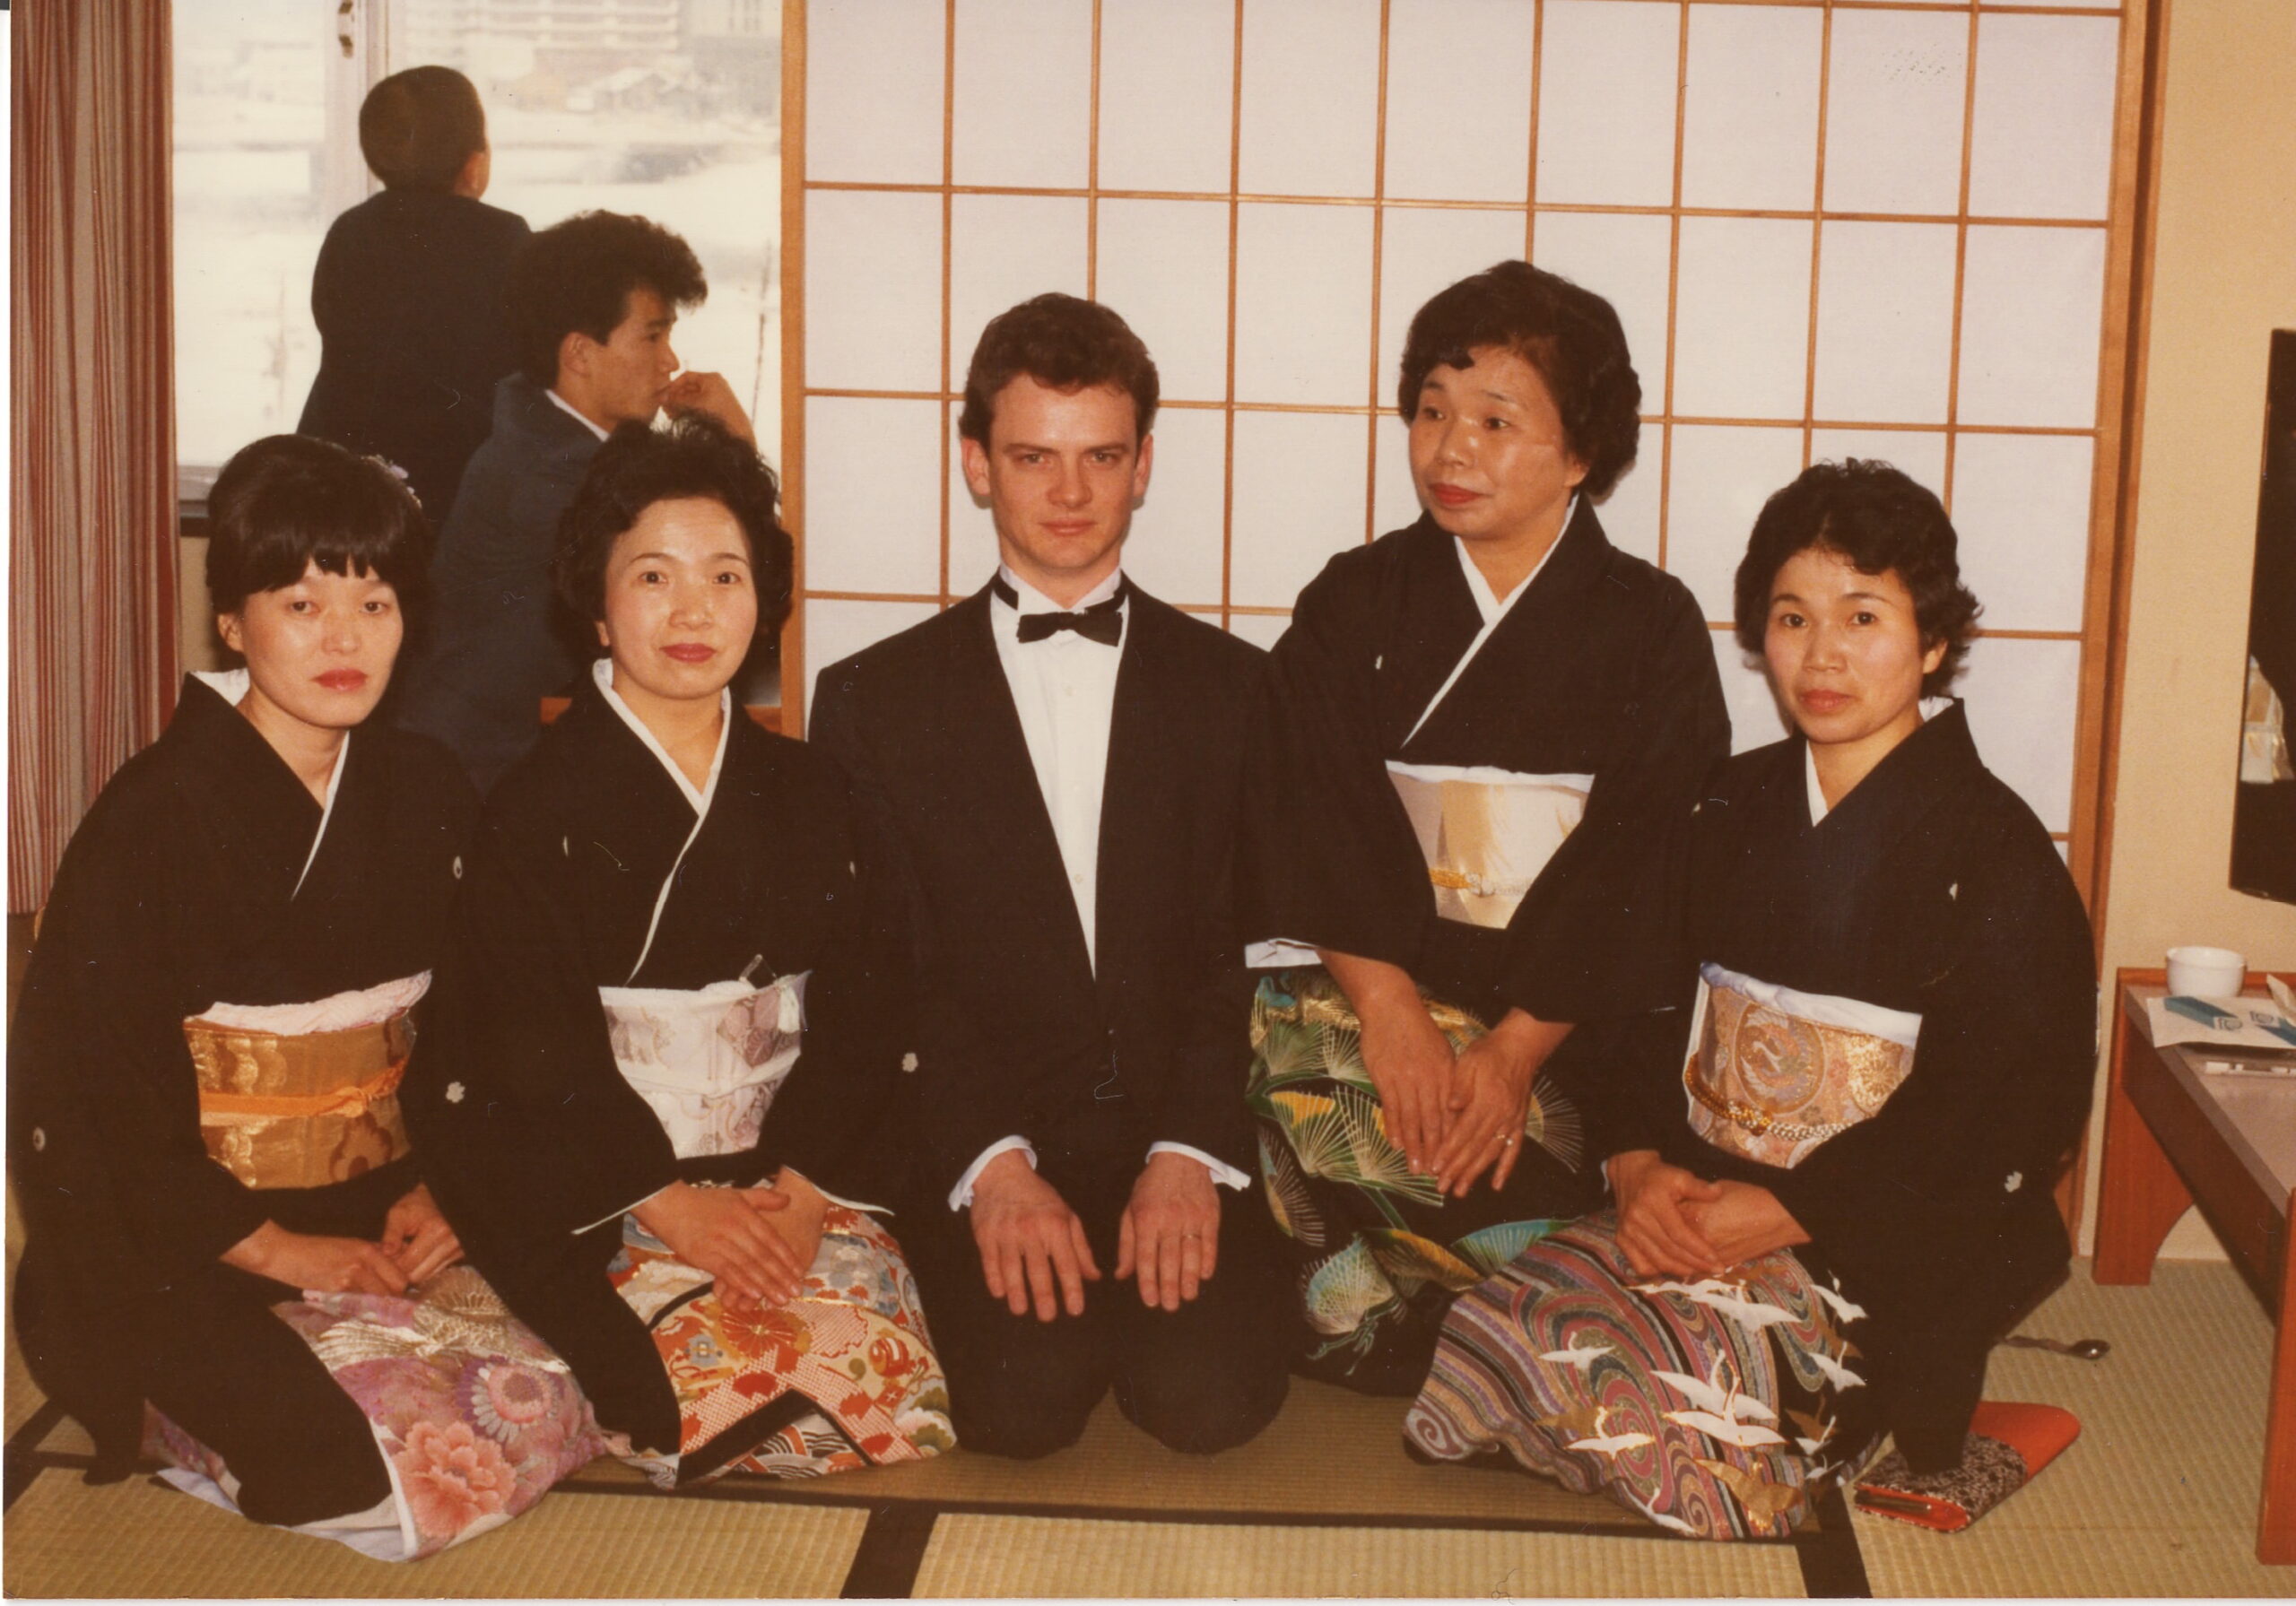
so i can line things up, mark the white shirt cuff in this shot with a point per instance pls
(960, 1196)
(1226, 1176)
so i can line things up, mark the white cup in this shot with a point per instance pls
(2207, 972)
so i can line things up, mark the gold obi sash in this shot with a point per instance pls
(1772, 1074)
(708, 1060)
(300, 1109)
(1487, 833)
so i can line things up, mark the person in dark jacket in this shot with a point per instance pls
(1834, 1192)
(593, 300)
(408, 293)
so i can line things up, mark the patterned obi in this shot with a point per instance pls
(301, 1095)
(1772, 1074)
(708, 1060)
(1487, 833)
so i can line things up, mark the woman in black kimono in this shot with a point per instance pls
(1832, 1200)
(662, 910)
(1489, 730)
(203, 1116)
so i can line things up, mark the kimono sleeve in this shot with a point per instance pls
(106, 1151)
(526, 1107)
(1333, 862)
(1599, 934)
(954, 1100)
(2002, 1068)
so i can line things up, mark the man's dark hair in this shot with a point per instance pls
(419, 129)
(1880, 521)
(1061, 342)
(638, 466)
(1570, 335)
(578, 275)
(288, 501)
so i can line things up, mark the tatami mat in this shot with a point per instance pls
(2159, 1495)
(1330, 1454)
(142, 1537)
(1015, 1556)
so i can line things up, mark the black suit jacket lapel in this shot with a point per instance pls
(993, 785)
(1139, 811)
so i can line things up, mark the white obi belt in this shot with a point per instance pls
(1487, 833)
(1772, 1074)
(708, 1060)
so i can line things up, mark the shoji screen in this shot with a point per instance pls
(1875, 228)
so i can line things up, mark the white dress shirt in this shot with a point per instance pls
(1064, 690)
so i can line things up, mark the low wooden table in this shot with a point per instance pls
(2175, 1137)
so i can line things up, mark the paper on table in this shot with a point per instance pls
(2220, 1022)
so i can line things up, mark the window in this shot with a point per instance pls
(667, 108)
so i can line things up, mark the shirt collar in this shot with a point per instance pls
(602, 672)
(1006, 619)
(569, 409)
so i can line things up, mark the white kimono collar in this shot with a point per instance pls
(232, 685)
(1931, 707)
(602, 672)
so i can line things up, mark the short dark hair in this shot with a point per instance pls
(419, 129)
(1570, 335)
(1880, 521)
(578, 275)
(638, 466)
(1065, 343)
(288, 501)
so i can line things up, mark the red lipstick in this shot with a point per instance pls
(1824, 702)
(690, 652)
(344, 680)
(1452, 496)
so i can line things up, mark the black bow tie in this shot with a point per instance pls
(1103, 621)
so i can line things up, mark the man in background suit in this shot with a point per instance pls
(407, 293)
(1049, 776)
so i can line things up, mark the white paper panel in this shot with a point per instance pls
(1300, 484)
(835, 630)
(1721, 477)
(1311, 96)
(2042, 143)
(2021, 503)
(1894, 83)
(1303, 304)
(1023, 102)
(1422, 251)
(1628, 259)
(1886, 322)
(1167, 93)
(1394, 501)
(2032, 307)
(2023, 699)
(1750, 120)
(1607, 72)
(1459, 100)
(1741, 318)
(1164, 265)
(1754, 717)
(1261, 629)
(873, 280)
(1003, 249)
(1920, 454)
(873, 500)
(1630, 514)
(874, 75)
(1174, 548)
(972, 532)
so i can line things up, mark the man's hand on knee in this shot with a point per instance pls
(1032, 1246)
(1170, 1233)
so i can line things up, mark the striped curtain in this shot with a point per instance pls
(92, 647)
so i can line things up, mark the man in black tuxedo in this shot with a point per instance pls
(1049, 777)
